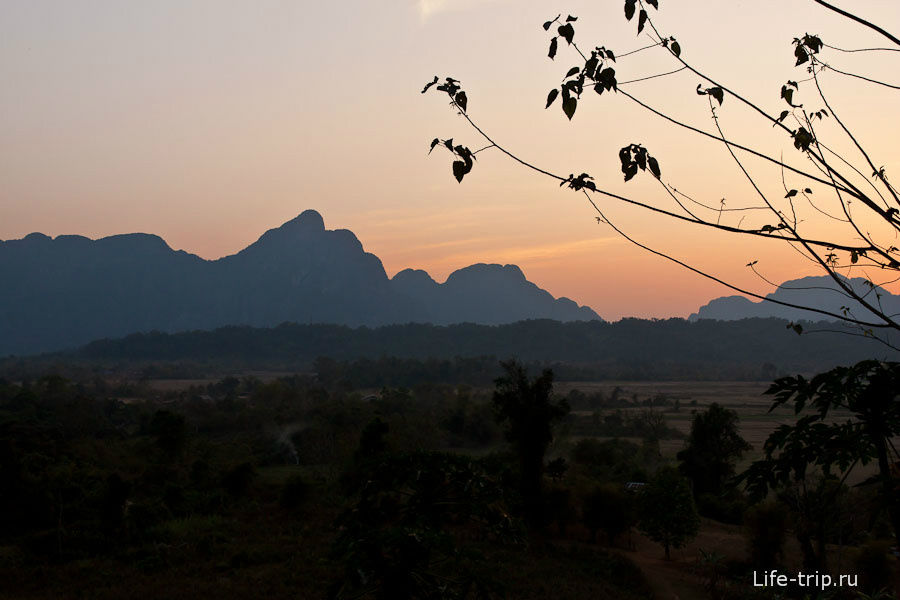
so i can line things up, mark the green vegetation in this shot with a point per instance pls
(529, 413)
(666, 511)
(289, 487)
(412, 354)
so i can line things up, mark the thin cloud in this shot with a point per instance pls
(429, 8)
(520, 255)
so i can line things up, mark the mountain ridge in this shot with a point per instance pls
(818, 291)
(70, 290)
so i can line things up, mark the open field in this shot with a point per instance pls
(747, 398)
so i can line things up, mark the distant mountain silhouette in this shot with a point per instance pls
(70, 290)
(462, 298)
(820, 292)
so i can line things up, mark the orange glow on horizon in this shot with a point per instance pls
(209, 123)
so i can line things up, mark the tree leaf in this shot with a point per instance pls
(654, 166)
(573, 71)
(608, 78)
(429, 84)
(676, 49)
(807, 191)
(461, 100)
(552, 52)
(569, 106)
(567, 31)
(551, 97)
(803, 139)
(813, 42)
(459, 170)
(654, 3)
(434, 143)
(610, 55)
(629, 8)
(641, 159)
(791, 194)
(717, 93)
(788, 94)
(642, 19)
(547, 25)
(801, 55)
(570, 18)
(630, 170)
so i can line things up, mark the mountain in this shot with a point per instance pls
(461, 299)
(820, 292)
(67, 291)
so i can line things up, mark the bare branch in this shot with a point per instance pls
(859, 20)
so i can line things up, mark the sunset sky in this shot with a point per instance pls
(208, 122)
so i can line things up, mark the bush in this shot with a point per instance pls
(609, 508)
(873, 566)
(728, 508)
(295, 492)
(237, 480)
(766, 530)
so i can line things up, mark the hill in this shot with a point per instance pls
(627, 349)
(71, 289)
(821, 292)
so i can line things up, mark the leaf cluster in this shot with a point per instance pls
(631, 6)
(596, 71)
(868, 390)
(465, 158)
(716, 92)
(806, 46)
(634, 157)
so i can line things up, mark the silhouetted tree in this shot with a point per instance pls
(666, 511)
(402, 540)
(170, 432)
(766, 527)
(712, 449)
(870, 392)
(607, 508)
(237, 479)
(529, 412)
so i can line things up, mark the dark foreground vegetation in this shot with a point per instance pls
(302, 488)
(630, 349)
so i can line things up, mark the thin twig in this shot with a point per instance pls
(650, 77)
(870, 80)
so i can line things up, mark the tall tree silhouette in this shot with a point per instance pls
(529, 412)
(712, 449)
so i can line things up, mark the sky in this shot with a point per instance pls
(209, 122)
